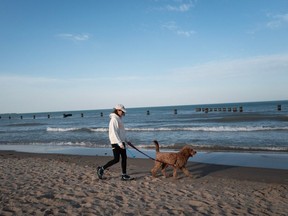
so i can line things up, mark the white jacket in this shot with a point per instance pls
(116, 130)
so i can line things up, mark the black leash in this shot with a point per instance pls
(130, 144)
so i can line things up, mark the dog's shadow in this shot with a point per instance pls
(197, 170)
(203, 169)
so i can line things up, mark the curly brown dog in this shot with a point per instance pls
(176, 160)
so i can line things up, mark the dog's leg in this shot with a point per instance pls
(186, 171)
(163, 170)
(155, 168)
(174, 172)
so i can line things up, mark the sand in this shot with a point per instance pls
(51, 184)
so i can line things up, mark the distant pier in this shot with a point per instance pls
(279, 107)
(219, 109)
(174, 111)
(65, 115)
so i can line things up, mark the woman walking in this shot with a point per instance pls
(118, 140)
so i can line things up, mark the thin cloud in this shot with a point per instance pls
(180, 6)
(277, 21)
(274, 22)
(74, 37)
(185, 33)
(172, 26)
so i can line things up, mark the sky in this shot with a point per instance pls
(92, 54)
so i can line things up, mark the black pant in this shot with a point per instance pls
(117, 151)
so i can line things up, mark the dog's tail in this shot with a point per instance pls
(156, 145)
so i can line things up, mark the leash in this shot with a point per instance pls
(134, 147)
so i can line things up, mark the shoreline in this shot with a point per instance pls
(273, 160)
(58, 184)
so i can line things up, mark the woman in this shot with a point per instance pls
(117, 139)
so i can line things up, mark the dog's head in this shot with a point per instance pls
(193, 152)
(189, 151)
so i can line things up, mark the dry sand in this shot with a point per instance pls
(46, 184)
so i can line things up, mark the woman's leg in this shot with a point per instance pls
(123, 160)
(116, 152)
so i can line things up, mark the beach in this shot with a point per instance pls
(58, 184)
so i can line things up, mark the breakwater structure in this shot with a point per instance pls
(219, 109)
(41, 116)
(174, 111)
(227, 109)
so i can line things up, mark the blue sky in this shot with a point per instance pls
(92, 54)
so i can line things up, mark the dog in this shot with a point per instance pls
(176, 160)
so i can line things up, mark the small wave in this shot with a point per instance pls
(50, 129)
(59, 143)
(204, 129)
(99, 129)
(210, 129)
(244, 148)
(253, 117)
(25, 125)
(177, 147)
(75, 144)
